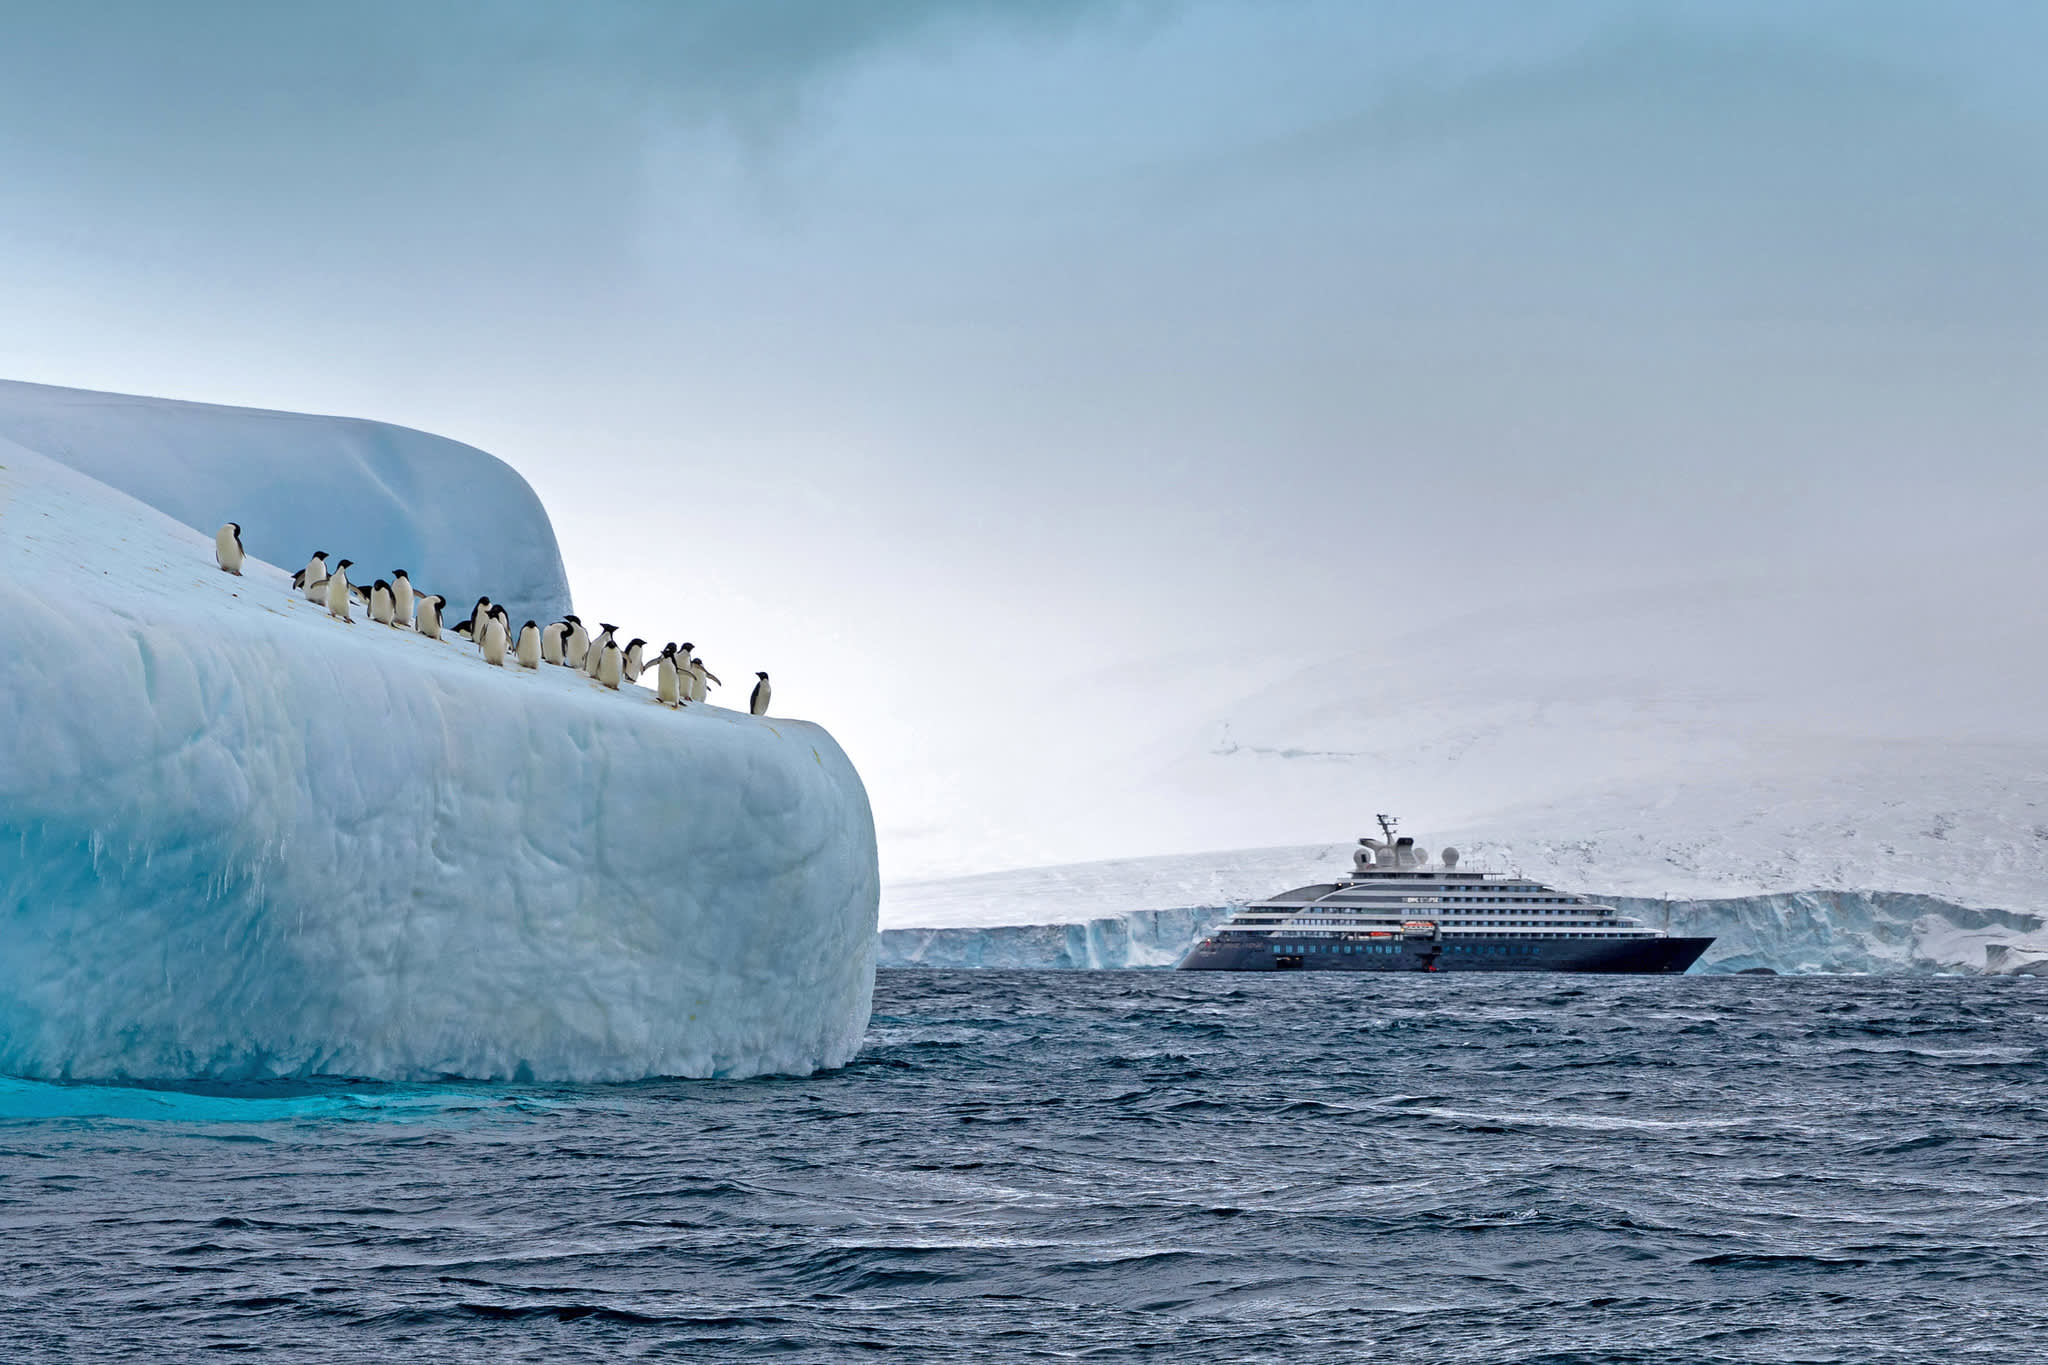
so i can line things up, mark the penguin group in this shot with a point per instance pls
(681, 679)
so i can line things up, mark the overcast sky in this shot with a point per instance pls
(1010, 377)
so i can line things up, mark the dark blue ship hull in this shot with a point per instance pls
(1227, 952)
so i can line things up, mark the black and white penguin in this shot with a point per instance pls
(315, 570)
(596, 650)
(757, 705)
(383, 606)
(609, 670)
(430, 615)
(668, 682)
(401, 598)
(528, 648)
(314, 584)
(577, 647)
(227, 549)
(339, 593)
(698, 672)
(551, 640)
(629, 661)
(493, 640)
(478, 614)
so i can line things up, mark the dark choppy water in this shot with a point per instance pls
(1107, 1166)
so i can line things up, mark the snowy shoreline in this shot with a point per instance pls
(1145, 912)
(1861, 932)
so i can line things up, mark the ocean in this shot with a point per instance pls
(1104, 1166)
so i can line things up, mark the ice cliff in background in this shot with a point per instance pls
(986, 921)
(241, 839)
(460, 522)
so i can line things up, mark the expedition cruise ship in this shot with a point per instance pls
(1397, 913)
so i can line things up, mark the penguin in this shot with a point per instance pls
(227, 548)
(630, 661)
(494, 641)
(699, 672)
(382, 604)
(668, 685)
(577, 646)
(608, 671)
(528, 648)
(757, 705)
(478, 614)
(401, 599)
(339, 592)
(551, 642)
(504, 623)
(315, 570)
(315, 586)
(430, 615)
(596, 649)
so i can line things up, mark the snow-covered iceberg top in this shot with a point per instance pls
(460, 522)
(241, 839)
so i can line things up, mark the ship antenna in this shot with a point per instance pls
(1387, 823)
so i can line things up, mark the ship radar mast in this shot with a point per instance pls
(1387, 826)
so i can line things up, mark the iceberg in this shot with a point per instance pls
(460, 522)
(240, 839)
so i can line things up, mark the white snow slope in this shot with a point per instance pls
(460, 522)
(241, 839)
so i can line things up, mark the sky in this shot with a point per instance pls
(1017, 379)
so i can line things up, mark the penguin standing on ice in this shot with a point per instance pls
(401, 598)
(629, 662)
(494, 641)
(699, 672)
(596, 650)
(609, 670)
(528, 648)
(757, 705)
(551, 641)
(227, 548)
(668, 685)
(430, 615)
(577, 647)
(339, 592)
(478, 614)
(315, 570)
(382, 605)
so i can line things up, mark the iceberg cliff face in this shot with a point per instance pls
(460, 522)
(241, 839)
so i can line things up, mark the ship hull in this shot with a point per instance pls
(1626, 957)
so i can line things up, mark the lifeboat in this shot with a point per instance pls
(1418, 928)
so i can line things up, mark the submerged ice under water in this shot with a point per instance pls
(1042, 1165)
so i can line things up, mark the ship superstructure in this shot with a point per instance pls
(1399, 912)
